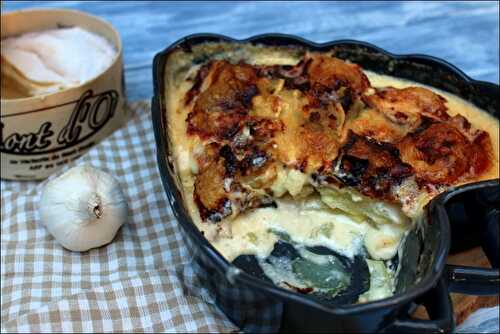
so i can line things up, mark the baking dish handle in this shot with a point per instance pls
(437, 302)
(473, 280)
(486, 217)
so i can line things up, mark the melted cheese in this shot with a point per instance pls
(307, 221)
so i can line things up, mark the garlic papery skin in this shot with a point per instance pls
(83, 208)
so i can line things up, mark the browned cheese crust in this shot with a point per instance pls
(338, 130)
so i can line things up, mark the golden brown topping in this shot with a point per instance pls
(232, 180)
(373, 168)
(481, 154)
(198, 81)
(324, 80)
(316, 117)
(220, 110)
(393, 113)
(408, 105)
(439, 154)
(209, 193)
(319, 141)
(334, 73)
(373, 124)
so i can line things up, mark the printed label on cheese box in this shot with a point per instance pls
(34, 143)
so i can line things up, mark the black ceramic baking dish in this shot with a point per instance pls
(258, 306)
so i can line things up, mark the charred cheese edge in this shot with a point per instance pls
(271, 139)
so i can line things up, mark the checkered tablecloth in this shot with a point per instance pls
(141, 282)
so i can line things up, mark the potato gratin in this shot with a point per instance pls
(272, 142)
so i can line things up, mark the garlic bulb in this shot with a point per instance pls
(83, 208)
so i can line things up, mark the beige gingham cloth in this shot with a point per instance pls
(141, 282)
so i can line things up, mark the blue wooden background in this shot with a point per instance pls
(464, 33)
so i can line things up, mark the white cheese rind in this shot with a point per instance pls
(58, 58)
